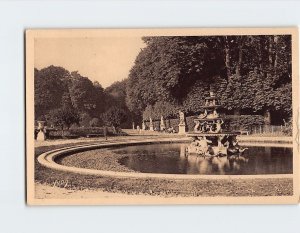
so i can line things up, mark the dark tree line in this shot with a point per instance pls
(64, 98)
(250, 75)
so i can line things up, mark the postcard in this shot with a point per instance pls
(162, 116)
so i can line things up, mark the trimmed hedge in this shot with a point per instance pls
(78, 132)
(243, 122)
(231, 122)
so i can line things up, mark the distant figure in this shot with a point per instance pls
(105, 132)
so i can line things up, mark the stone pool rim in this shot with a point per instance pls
(48, 158)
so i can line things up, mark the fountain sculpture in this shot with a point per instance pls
(209, 137)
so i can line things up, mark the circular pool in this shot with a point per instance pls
(171, 159)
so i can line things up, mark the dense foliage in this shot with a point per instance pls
(248, 73)
(63, 98)
(114, 116)
(251, 75)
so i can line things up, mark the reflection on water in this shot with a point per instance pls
(171, 159)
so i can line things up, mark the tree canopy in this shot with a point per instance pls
(248, 73)
(59, 91)
(168, 66)
(114, 116)
(61, 96)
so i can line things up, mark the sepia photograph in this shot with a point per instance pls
(162, 116)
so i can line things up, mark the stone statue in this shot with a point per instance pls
(196, 128)
(162, 123)
(203, 115)
(202, 145)
(215, 114)
(181, 129)
(151, 125)
(181, 118)
(219, 124)
(143, 126)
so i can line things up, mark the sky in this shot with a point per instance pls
(105, 60)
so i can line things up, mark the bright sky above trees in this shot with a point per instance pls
(105, 60)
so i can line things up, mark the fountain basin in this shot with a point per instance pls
(49, 159)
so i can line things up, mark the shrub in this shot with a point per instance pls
(95, 122)
(114, 116)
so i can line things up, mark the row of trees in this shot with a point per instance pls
(64, 98)
(250, 74)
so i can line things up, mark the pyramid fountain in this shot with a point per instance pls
(209, 137)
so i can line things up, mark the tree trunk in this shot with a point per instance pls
(260, 56)
(267, 117)
(227, 57)
(240, 56)
(276, 55)
(270, 51)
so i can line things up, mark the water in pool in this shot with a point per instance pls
(171, 159)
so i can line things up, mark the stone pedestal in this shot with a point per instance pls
(181, 129)
(41, 134)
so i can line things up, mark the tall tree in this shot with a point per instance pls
(114, 117)
(247, 72)
(50, 84)
(167, 68)
(82, 93)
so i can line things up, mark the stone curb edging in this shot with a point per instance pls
(47, 159)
